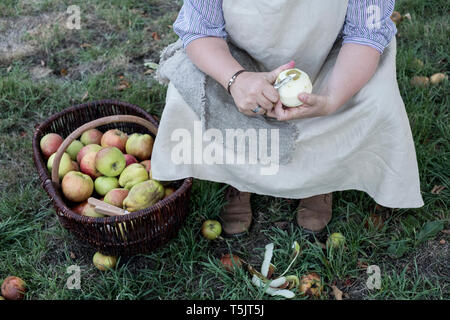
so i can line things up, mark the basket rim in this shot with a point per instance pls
(54, 193)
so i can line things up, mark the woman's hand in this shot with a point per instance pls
(313, 106)
(253, 89)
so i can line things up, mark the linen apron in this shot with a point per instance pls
(366, 145)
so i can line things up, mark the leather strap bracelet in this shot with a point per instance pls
(233, 78)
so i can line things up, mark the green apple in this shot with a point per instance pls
(74, 148)
(336, 240)
(64, 166)
(140, 146)
(211, 229)
(132, 175)
(103, 262)
(110, 161)
(105, 184)
(77, 186)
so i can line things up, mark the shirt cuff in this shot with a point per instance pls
(188, 38)
(366, 42)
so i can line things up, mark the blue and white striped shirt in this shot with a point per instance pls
(199, 18)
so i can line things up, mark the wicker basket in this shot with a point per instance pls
(137, 232)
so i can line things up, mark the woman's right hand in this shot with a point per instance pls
(253, 89)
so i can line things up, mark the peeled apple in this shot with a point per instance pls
(290, 91)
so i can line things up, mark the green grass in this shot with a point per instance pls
(413, 263)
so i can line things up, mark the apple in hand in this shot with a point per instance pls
(65, 165)
(140, 146)
(91, 136)
(103, 185)
(116, 196)
(114, 138)
(211, 229)
(50, 143)
(74, 148)
(130, 159)
(132, 175)
(86, 209)
(87, 165)
(77, 186)
(110, 161)
(86, 149)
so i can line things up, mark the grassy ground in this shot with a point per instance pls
(44, 67)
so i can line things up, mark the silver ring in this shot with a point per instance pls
(256, 110)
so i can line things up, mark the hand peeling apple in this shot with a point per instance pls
(290, 91)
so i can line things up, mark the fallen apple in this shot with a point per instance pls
(132, 175)
(140, 146)
(86, 149)
(437, 78)
(311, 285)
(13, 288)
(110, 161)
(114, 138)
(91, 136)
(74, 148)
(50, 143)
(129, 159)
(116, 197)
(77, 186)
(420, 82)
(290, 91)
(231, 262)
(65, 165)
(103, 185)
(335, 240)
(87, 165)
(103, 262)
(211, 229)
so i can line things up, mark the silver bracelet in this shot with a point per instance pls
(233, 78)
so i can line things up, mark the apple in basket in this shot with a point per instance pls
(50, 143)
(140, 146)
(86, 149)
(114, 138)
(86, 209)
(168, 192)
(110, 161)
(132, 175)
(148, 165)
(129, 159)
(103, 185)
(74, 148)
(87, 165)
(77, 186)
(65, 164)
(91, 136)
(116, 196)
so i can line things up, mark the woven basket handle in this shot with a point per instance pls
(91, 125)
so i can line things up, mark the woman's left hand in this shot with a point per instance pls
(313, 106)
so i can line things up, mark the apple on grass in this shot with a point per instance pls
(74, 148)
(87, 165)
(103, 185)
(104, 262)
(86, 209)
(110, 161)
(211, 229)
(77, 186)
(86, 149)
(114, 138)
(50, 143)
(91, 136)
(65, 164)
(116, 196)
(140, 146)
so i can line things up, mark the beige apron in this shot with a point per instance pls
(367, 145)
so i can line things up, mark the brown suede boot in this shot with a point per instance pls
(237, 214)
(314, 213)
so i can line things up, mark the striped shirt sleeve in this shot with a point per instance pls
(198, 19)
(368, 23)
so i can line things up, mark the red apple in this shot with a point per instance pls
(114, 138)
(13, 288)
(130, 159)
(77, 186)
(86, 149)
(91, 136)
(50, 143)
(87, 165)
(116, 197)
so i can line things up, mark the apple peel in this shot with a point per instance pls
(273, 292)
(267, 258)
